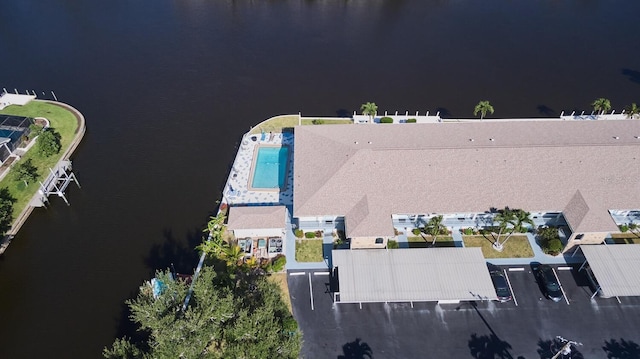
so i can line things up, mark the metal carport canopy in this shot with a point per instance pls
(616, 268)
(413, 275)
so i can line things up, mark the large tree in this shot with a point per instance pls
(6, 210)
(601, 106)
(25, 171)
(483, 107)
(49, 142)
(245, 321)
(370, 109)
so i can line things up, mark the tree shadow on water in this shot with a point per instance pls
(356, 349)
(545, 110)
(633, 75)
(180, 253)
(623, 349)
(489, 347)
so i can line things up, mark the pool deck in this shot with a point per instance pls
(237, 190)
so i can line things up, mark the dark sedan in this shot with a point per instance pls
(549, 282)
(502, 287)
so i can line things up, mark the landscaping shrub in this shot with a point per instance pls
(623, 228)
(278, 263)
(386, 120)
(319, 234)
(391, 244)
(416, 231)
(299, 233)
(411, 120)
(317, 122)
(309, 235)
(550, 240)
(553, 247)
(467, 231)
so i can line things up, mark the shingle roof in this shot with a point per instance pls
(616, 268)
(252, 217)
(437, 168)
(417, 274)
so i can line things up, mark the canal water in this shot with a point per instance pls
(168, 87)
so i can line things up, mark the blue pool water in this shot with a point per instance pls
(270, 167)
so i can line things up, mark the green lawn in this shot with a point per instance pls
(276, 124)
(420, 242)
(62, 121)
(516, 247)
(625, 238)
(309, 250)
(327, 122)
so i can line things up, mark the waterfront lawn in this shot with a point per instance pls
(62, 121)
(309, 250)
(420, 242)
(327, 122)
(625, 238)
(276, 124)
(516, 247)
(281, 280)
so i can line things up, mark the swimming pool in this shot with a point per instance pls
(269, 167)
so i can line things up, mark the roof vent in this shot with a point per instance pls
(471, 140)
(356, 142)
(369, 142)
(492, 139)
(616, 137)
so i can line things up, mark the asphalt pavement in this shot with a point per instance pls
(525, 327)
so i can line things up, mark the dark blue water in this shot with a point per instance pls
(167, 88)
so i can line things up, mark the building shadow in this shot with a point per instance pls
(633, 75)
(356, 349)
(489, 347)
(545, 110)
(623, 349)
(548, 348)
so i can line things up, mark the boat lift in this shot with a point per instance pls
(56, 183)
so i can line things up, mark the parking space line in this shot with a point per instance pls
(320, 273)
(311, 291)
(561, 288)
(297, 273)
(513, 295)
(517, 269)
(564, 268)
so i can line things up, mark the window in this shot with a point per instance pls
(379, 240)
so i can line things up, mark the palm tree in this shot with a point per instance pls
(505, 219)
(434, 227)
(601, 106)
(232, 254)
(521, 217)
(483, 107)
(213, 245)
(370, 109)
(632, 110)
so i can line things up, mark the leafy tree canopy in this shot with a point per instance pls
(6, 210)
(49, 142)
(25, 171)
(245, 320)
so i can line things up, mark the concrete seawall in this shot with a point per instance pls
(22, 217)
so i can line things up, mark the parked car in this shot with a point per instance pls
(502, 288)
(593, 283)
(549, 282)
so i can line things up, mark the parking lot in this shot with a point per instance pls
(522, 328)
